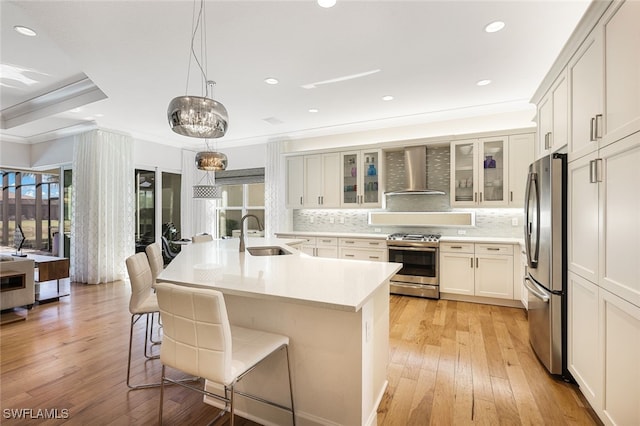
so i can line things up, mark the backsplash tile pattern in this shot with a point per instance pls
(489, 222)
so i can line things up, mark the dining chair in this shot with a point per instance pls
(156, 262)
(201, 238)
(199, 340)
(142, 303)
(154, 254)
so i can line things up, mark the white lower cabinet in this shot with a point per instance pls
(477, 269)
(620, 330)
(371, 249)
(457, 268)
(363, 249)
(321, 247)
(603, 345)
(583, 356)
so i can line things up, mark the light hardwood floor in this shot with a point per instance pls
(451, 363)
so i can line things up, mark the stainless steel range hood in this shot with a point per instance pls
(415, 170)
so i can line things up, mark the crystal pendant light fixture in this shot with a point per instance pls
(198, 116)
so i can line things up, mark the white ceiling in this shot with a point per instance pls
(429, 55)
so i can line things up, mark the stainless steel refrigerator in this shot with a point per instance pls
(545, 243)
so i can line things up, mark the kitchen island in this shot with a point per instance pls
(335, 312)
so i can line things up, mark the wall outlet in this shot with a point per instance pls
(514, 221)
(462, 231)
(332, 220)
(310, 219)
(341, 220)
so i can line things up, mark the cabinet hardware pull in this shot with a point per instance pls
(480, 196)
(592, 171)
(471, 259)
(319, 200)
(598, 132)
(592, 133)
(300, 200)
(475, 197)
(349, 255)
(326, 241)
(349, 242)
(546, 140)
(374, 257)
(599, 172)
(493, 249)
(374, 243)
(456, 247)
(510, 195)
(477, 262)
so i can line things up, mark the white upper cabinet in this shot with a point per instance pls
(521, 154)
(619, 197)
(362, 181)
(621, 27)
(490, 171)
(586, 100)
(295, 183)
(322, 180)
(553, 118)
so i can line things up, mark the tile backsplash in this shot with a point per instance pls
(489, 221)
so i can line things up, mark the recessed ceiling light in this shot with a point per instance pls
(326, 3)
(494, 27)
(387, 98)
(75, 109)
(25, 30)
(271, 80)
(313, 110)
(483, 82)
(99, 115)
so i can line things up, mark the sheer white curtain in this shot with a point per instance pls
(197, 216)
(277, 217)
(102, 226)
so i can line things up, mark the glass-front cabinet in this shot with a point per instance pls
(479, 172)
(361, 178)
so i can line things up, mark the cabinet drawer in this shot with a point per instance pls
(326, 241)
(503, 249)
(362, 243)
(376, 255)
(456, 247)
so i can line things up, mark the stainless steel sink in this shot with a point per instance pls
(267, 251)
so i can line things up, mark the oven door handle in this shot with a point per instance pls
(409, 248)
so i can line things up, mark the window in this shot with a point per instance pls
(242, 193)
(171, 183)
(31, 200)
(145, 208)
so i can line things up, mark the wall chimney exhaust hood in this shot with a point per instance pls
(415, 170)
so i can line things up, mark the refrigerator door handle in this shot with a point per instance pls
(530, 227)
(534, 289)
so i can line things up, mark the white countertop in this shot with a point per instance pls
(298, 278)
(444, 238)
(487, 240)
(335, 234)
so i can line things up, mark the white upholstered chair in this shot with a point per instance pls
(143, 303)
(156, 263)
(199, 340)
(201, 238)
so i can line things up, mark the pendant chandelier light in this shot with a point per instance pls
(209, 161)
(201, 116)
(198, 116)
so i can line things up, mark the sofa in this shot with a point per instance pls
(11, 266)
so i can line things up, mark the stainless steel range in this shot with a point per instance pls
(418, 254)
